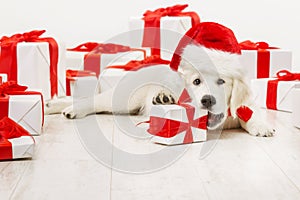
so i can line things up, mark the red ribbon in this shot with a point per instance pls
(8, 61)
(12, 88)
(71, 76)
(282, 75)
(263, 56)
(9, 129)
(151, 36)
(135, 65)
(94, 50)
(169, 128)
(244, 113)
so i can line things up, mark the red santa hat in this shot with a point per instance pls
(209, 37)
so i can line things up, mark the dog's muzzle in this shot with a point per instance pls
(214, 119)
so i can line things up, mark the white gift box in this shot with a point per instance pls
(296, 106)
(16, 148)
(279, 59)
(284, 96)
(33, 60)
(83, 86)
(75, 60)
(163, 120)
(110, 78)
(27, 111)
(172, 29)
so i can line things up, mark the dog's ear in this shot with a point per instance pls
(240, 95)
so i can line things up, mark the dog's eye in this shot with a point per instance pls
(197, 81)
(220, 81)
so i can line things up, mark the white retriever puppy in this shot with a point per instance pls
(206, 62)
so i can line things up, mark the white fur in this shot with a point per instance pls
(135, 92)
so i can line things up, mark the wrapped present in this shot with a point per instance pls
(34, 61)
(81, 83)
(24, 107)
(276, 93)
(15, 142)
(296, 106)
(162, 29)
(262, 61)
(110, 76)
(95, 57)
(177, 124)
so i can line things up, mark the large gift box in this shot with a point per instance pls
(24, 107)
(111, 75)
(95, 57)
(15, 142)
(296, 106)
(276, 93)
(35, 61)
(177, 124)
(81, 83)
(262, 61)
(161, 29)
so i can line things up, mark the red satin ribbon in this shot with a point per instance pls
(12, 88)
(263, 56)
(169, 128)
(135, 65)
(71, 75)
(244, 113)
(282, 75)
(8, 61)
(151, 36)
(9, 129)
(94, 50)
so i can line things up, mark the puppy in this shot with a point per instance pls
(206, 62)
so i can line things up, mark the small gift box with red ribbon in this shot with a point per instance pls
(24, 107)
(162, 29)
(111, 76)
(296, 106)
(263, 61)
(276, 93)
(92, 56)
(15, 141)
(34, 61)
(178, 124)
(81, 83)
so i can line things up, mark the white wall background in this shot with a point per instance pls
(74, 22)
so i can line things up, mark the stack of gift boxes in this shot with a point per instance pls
(49, 70)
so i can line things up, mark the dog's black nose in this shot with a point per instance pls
(208, 101)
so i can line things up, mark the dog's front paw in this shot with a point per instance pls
(261, 130)
(163, 98)
(72, 113)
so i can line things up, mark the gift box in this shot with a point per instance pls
(36, 62)
(81, 83)
(96, 56)
(296, 106)
(177, 124)
(276, 93)
(161, 29)
(111, 76)
(15, 142)
(24, 107)
(262, 61)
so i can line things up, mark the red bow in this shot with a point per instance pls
(79, 73)
(249, 45)
(285, 75)
(135, 65)
(10, 129)
(11, 86)
(94, 47)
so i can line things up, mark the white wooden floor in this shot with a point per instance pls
(239, 166)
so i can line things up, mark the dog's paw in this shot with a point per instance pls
(163, 98)
(56, 105)
(72, 113)
(261, 130)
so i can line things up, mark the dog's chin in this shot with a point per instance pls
(215, 120)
